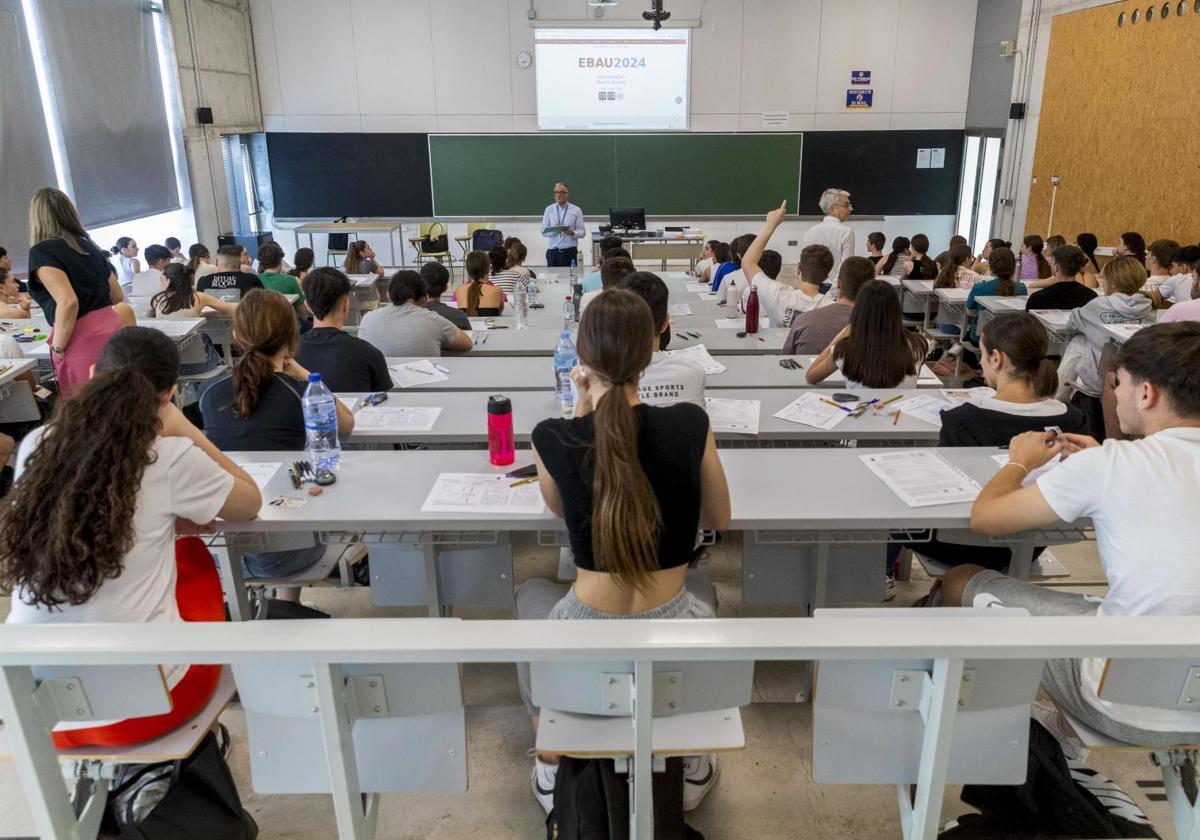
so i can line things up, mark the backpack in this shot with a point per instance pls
(485, 240)
(591, 802)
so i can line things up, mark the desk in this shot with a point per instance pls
(952, 309)
(463, 419)
(354, 229)
(17, 403)
(693, 237)
(990, 305)
(923, 291)
(542, 340)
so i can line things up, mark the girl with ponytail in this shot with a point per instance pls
(1033, 265)
(88, 533)
(258, 408)
(634, 483)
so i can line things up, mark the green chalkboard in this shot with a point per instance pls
(668, 174)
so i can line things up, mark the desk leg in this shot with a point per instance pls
(1021, 564)
(235, 584)
(925, 316)
(641, 799)
(339, 752)
(37, 761)
(820, 573)
(433, 590)
(920, 817)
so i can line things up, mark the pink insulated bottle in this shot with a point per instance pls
(752, 310)
(501, 447)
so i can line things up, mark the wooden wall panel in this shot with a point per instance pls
(1120, 124)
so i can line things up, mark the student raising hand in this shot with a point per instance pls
(776, 216)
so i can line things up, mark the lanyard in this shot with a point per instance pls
(560, 211)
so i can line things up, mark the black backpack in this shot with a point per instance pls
(591, 802)
(486, 239)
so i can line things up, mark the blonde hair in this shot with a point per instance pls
(53, 216)
(1124, 275)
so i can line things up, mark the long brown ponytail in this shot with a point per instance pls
(263, 324)
(1023, 341)
(1003, 265)
(615, 338)
(948, 277)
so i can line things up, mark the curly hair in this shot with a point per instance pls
(68, 523)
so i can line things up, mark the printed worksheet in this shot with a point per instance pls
(740, 323)
(423, 372)
(261, 472)
(1054, 318)
(1013, 302)
(395, 418)
(699, 353)
(679, 309)
(482, 493)
(710, 298)
(697, 287)
(958, 396)
(814, 410)
(479, 324)
(923, 407)
(922, 477)
(737, 416)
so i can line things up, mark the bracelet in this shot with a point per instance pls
(1018, 464)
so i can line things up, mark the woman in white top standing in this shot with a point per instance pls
(126, 251)
(874, 350)
(88, 533)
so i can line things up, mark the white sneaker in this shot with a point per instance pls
(542, 782)
(889, 591)
(699, 775)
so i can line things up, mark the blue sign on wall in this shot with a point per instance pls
(860, 77)
(859, 100)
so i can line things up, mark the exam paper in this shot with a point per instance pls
(923, 407)
(740, 323)
(738, 416)
(397, 418)
(958, 396)
(679, 308)
(261, 473)
(482, 493)
(479, 324)
(1013, 302)
(809, 410)
(697, 287)
(711, 298)
(1054, 317)
(699, 353)
(922, 477)
(416, 373)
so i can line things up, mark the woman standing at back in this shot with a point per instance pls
(71, 278)
(634, 483)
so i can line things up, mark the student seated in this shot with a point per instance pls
(591, 280)
(1161, 255)
(1033, 264)
(813, 331)
(633, 484)
(612, 271)
(88, 532)
(512, 273)
(1140, 496)
(981, 262)
(477, 297)
(940, 259)
(1062, 290)
(956, 272)
(735, 281)
(722, 265)
(437, 278)
(704, 265)
(179, 300)
(176, 248)
(258, 409)
(1002, 265)
(149, 281)
(779, 302)
(517, 254)
(899, 262)
(669, 379)
(1122, 279)
(303, 259)
(1189, 310)
(360, 259)
(272, 275)
(346, 362)
(874, 350)
(199, 261)
(407, 328)
(876, 239)
(229, 276)
(1178, 287)
(13, 304)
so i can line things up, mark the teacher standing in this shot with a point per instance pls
(563, 244)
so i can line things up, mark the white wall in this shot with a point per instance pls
(449, 65)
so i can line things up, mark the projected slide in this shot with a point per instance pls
(612, 79)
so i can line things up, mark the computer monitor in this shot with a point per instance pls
(627, 218)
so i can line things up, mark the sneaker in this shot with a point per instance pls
(699, 775)
(945, 367)
(542, 782)
(889, 591)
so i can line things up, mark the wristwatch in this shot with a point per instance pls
(56, 351)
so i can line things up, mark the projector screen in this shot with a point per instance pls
(612, 79)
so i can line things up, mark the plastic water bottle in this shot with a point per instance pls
(320, 425)
(521, 304)
(574, 273)
(535, 294)
(568, 313)
(564, 362)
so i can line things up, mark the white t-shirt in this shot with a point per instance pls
(1048, 407)
(148, 282)
(779, 302)
(1142, 500)
(672, 379)
(1177, 288)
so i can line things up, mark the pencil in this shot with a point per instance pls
(835, 405)
(523, 481)
(888, 401)
(896, 418)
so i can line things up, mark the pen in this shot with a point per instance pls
(524, 481)
(682, 336)
(418, 370)
(835, 405)
(896, 418)
(693, 334)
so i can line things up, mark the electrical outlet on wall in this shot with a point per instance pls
(793, 242)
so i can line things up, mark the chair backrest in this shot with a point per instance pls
(74, 693)
(1161, 683)
(474, 226)
(868, 728)
(604, 688)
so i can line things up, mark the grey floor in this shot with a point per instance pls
(764, 792)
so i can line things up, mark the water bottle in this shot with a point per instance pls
(535, 298)
(502, 449)
(568, 312)
(574, 273)
(564, 363)
(752, 310)
(320, 425)
(521, 304)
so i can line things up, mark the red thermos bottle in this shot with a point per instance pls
(752, 310)
(501, 447)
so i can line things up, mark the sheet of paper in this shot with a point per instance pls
(397, 418)
(958, 396)
(1033, 476)
(261, 472)
(555, 229)
(738, 416)
(350, 402)
(1013, 302)
(416, 373)
(479, 324)
(679, 308)
(740, 323)
(923, 407)
(710, 297)
(921, 477)
(1054, 317)
(482, 493)
(697, 287)
(699, 353)
(810, 410)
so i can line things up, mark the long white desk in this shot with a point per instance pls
(353, 229)
(181, 331)
(541, 342)
(463, 419)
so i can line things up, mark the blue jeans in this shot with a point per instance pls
(278, 564)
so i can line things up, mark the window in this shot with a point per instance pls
(977, 195)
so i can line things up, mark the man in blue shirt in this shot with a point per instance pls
(565, 223)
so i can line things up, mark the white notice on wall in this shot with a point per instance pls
(937, 159)
(776, 119)
(923, 158)
(482, 493)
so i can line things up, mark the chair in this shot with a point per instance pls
(338, 246)
(1162, 684)
(355, 731)
(422, 231)
(76, 694)
(923, 722)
